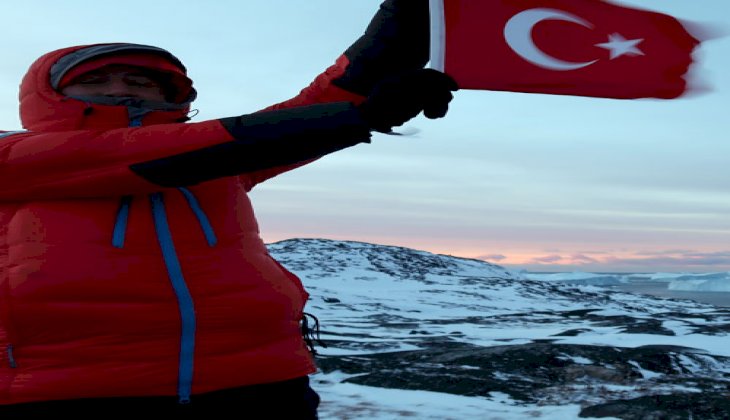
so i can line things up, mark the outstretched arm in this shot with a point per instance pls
(136, 160)
(377, 83)
(396, 42)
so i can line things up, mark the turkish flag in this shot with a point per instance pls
(562, 47)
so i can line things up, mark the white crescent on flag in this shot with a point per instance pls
(518, 34)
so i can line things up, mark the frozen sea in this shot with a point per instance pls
(712, 288)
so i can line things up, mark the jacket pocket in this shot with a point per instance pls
(10, 356)
(296, 281)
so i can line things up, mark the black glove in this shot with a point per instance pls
(396, 40)
(396, 100)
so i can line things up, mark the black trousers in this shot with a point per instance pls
(293, 399)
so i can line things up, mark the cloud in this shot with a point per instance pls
(720, 254)
(492, 257)
(594, 252)
(643, 259)
(583, 259)
(691, 258)
(664, 252)
(575, 259)
(547, 259)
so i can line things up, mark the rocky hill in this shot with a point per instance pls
(399, 318)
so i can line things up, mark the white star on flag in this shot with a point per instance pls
(618, 45)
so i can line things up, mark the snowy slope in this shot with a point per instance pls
(410, 333)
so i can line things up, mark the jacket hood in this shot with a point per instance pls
(44, 108)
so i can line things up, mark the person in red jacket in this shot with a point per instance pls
(133, 277)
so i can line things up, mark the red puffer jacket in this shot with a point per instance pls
(130, 257)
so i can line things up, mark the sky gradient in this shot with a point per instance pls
(539, 182)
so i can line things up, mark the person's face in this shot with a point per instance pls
(117, 81)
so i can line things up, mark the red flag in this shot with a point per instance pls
(563, 47)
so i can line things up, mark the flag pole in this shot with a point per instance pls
(436, 13)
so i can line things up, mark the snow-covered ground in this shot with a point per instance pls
(352, 401)
(373, 300)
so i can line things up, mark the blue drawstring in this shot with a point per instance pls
(120, 226)
(202, 218)
(11, 356)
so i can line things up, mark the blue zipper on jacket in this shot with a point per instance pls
(185, 301)
(120, 225)
(186, 306)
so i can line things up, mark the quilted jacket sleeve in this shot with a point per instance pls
(90, 163)
(395, 41)
(321, 119)
(37, 166)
